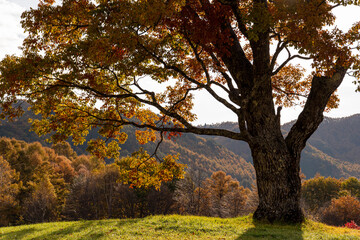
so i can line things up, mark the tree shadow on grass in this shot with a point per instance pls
(128, 221)
(272, 232)
(85, 230)
(17, 234)
(74, 229)
(71, 230)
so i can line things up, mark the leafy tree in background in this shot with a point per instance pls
(41, 205)
(352, 185)
(220, 196)
(35, 182)
(9, 188)
(89, 64)
(227, 197)
(218, 186)
(64, 149)
(318, 191)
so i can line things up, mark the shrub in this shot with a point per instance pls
(353, 186)
(352, 225)
(318, 191)
(342, 210)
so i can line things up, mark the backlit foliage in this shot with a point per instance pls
(39, 184)
(9, 188)
(332, 201)
(84, 62)
(143, 171)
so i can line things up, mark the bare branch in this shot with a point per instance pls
(157, 147)
(280, 46)
(287, 61)
(190, 79)
(289, 93)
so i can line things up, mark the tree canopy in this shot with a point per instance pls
(87, 61)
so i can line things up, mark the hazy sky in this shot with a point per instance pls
(11, 36)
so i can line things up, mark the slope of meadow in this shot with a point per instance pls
(177, 227)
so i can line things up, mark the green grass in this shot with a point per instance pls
(176, 227)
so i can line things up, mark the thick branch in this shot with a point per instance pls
(195, 130)
(188, 128)
(168, 128)
(234, 4)
(287, 61)
(240, 68)
(224, 74)
(312, 115)
(204, 67)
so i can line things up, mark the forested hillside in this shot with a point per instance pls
(41, 184)
(332, 151)
(339, 138)
(205, 155)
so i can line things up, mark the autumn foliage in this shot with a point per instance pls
(8, 192)
(342, 210)
(97, 64)
(71, 62)
(352, 225)
(219, 195)
(332, 201)
(41, 184)
(320, 190)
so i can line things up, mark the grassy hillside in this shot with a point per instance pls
(177, 227)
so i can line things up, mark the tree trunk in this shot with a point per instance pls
(278, 182)
(277, 159)
(277, 169)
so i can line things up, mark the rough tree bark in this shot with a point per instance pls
(277, 159)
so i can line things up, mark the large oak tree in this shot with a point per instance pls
(88, 64)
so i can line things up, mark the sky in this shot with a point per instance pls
(207, 110)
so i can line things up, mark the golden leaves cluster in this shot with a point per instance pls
(289, 86)
(306, 26)
(143, 171)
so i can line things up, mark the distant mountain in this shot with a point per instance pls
(337, 140)
(333, 150)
